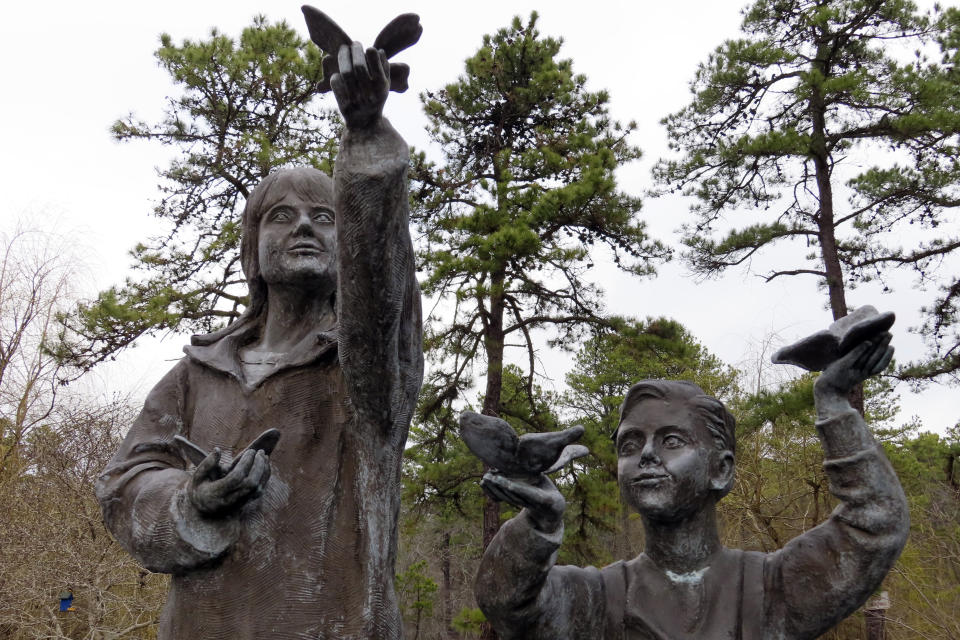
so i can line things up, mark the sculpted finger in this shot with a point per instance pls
(241, 468)
(500, 488)
(344, 61)
(495, 480)
(878, 352)
(359, 61)
(241, 489)
(521, 493)
(259, 473)
(209, 467)
(384, 63)
(375, 64)
(864, 363)
(883, 363)
(337, 85)
(494, 492)
(856, 355)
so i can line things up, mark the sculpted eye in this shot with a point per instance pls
(322, 215)
(629, 448)
(672, 441)
(280, 214)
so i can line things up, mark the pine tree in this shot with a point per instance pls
(781, 118)
(247, 107)
(510, 217)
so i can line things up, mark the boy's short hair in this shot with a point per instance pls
(716, 418)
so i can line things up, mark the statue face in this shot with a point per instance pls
(667, 461)
(297, 243)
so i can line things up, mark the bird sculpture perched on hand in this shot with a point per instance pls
(818, 350)
(399, 34)
(495, 442)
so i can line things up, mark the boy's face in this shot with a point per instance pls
(668, 465)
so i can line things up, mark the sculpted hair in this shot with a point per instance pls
(306, 182)
(716, 418)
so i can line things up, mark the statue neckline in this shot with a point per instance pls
(224, 355)
(251, 356)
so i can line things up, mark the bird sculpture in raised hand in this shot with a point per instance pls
(400, 33)
(495, 442)
(818, 350)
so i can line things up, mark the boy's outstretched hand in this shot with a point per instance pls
(840, 377)
(538, 495)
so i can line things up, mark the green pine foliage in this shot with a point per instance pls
(813, 127)
(247, 106)
(417, 592)
(780, 490)
(509, 218)
(525, 192)
(442, 500)
(469, 622)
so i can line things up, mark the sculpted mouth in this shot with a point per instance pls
(305, 247)
(649, 479)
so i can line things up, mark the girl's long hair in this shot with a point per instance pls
(308, 183)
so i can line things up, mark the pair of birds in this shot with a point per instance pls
(496, 443)
(491, 439)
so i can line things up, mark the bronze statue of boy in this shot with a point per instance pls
(675, 448)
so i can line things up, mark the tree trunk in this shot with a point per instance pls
(446, 610)
(951, 471)
(876, 627)
(825, 219)
(875, 616)
(493, 343)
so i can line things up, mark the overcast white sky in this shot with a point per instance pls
(70, 69)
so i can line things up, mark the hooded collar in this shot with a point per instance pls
(224, 354)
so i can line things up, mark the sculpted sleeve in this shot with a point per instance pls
(378, 296)
(526, 597)
(828, 572)
(142, 492)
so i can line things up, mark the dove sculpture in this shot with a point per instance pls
(265, 442)
(818, 350)
(400, 33)
(495, 442)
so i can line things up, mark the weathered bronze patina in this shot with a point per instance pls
(294, 536)
(675, 448)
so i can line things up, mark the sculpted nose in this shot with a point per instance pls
(303, 225)
(648, 455)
